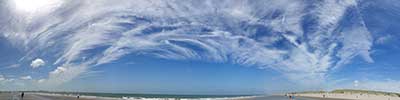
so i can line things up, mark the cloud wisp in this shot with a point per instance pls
(302, 40)
(26, 77)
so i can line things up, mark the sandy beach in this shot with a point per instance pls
(281, 97)
(35, 96)
(339, 96)
(305, 96)
(327, 96)
(49, 96)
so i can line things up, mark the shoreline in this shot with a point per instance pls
(301, 96)
(56, 96)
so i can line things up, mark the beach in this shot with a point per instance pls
(327, 96)
(36, 96)
(281, 97)
(299, 96)
(47, 96)
(348, 96)
(54, 96)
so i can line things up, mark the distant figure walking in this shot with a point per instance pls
(77, 97)
(22, 95)
(291, 97)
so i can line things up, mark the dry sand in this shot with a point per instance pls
(281, 97)
(351, 96)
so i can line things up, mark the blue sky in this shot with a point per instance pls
(199, 47)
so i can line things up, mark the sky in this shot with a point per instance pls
(199, 46)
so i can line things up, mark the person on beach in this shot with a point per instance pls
(291, 97)
(22, 95)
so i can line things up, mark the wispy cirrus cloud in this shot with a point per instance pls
(301, 39)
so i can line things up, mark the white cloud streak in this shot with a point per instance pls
(26, 77)
(13, 66)
(244, 32)
(383, 39)
(2, 78)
